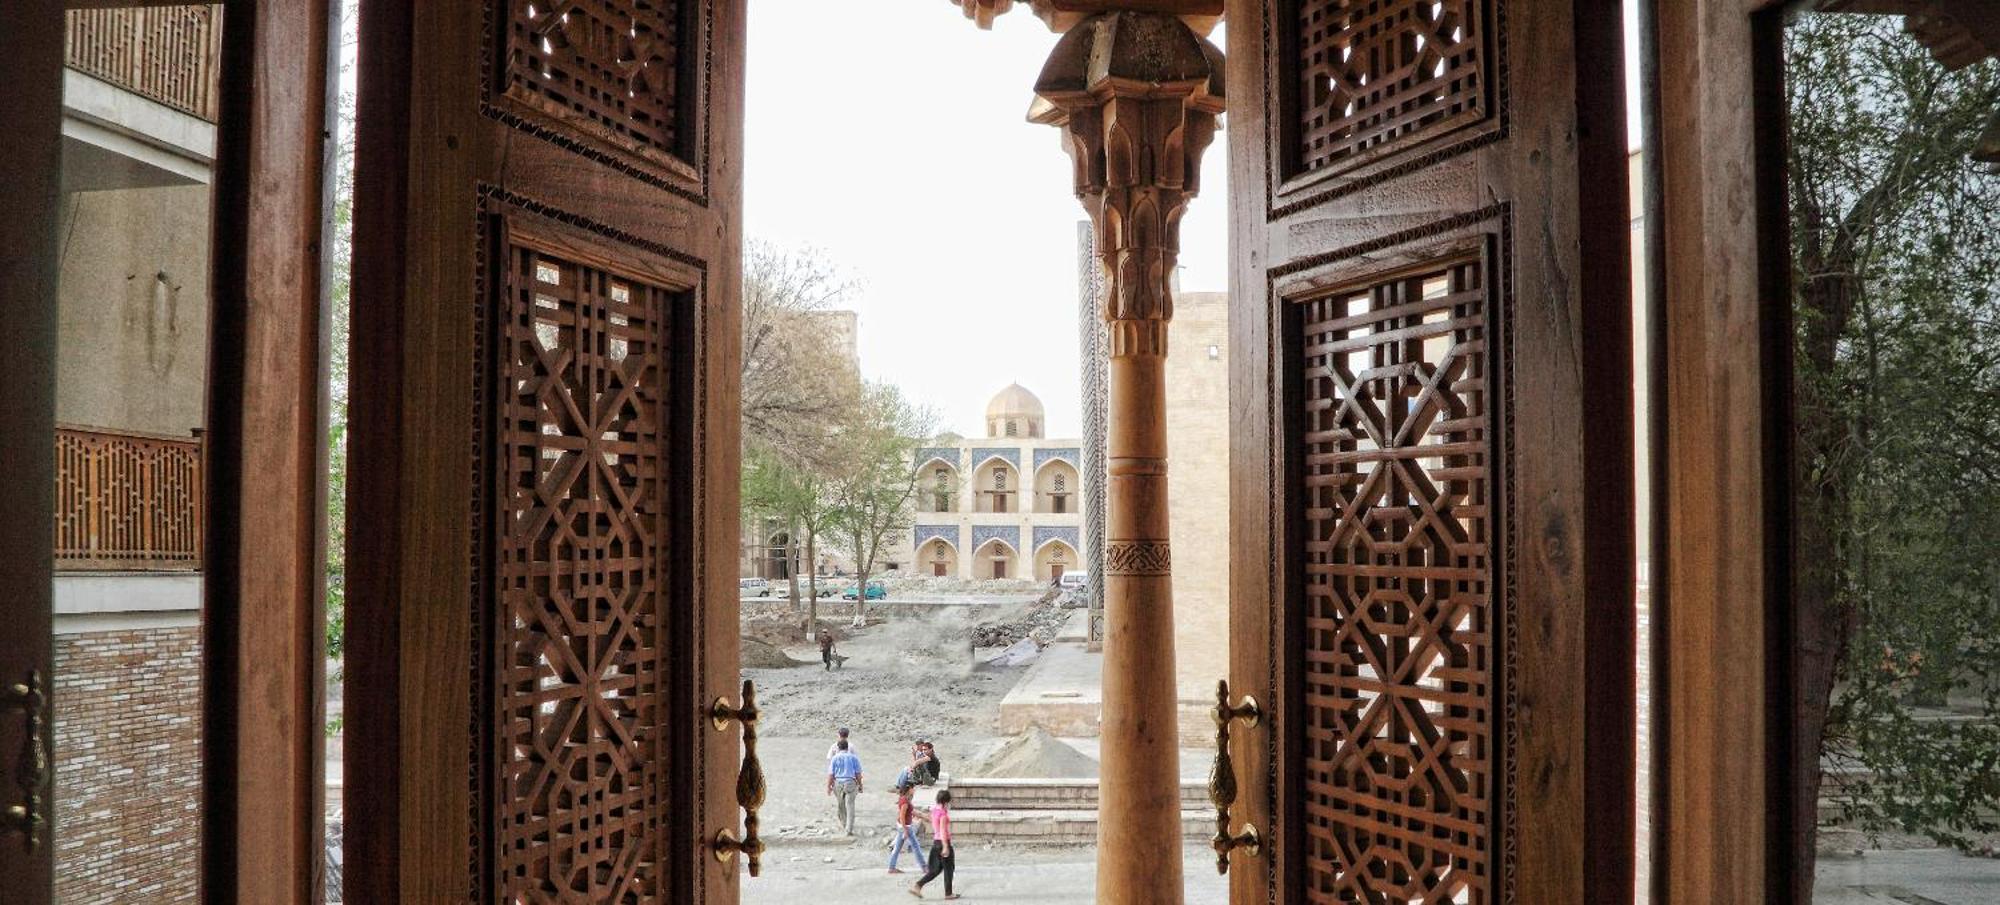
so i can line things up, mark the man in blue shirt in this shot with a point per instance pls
(843, 782)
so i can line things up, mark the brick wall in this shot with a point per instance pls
(128, 778)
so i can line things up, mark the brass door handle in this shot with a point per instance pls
(31, 699)
(749, 782)
(1222, 778)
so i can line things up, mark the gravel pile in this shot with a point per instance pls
(1041, 621)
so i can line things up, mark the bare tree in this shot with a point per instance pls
(795, 380)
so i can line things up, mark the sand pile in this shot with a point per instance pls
(762, 655)
(1035, 754)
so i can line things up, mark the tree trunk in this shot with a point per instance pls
(792, 564)
(860, 593)
(812, 585)
(1822, 624)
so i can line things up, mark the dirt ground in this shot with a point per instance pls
(907, 677)
(902, 678)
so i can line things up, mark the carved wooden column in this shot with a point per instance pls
(1136, 95)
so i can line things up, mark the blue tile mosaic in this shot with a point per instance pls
(1068, 534)
(1070, 454)
(1011, 534)
(981, 453)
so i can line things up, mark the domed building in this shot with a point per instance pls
(1015, 412)
(1008, 505)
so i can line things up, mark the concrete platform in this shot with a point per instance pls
(1055, 827)
(1046, 794)
(1063, 692)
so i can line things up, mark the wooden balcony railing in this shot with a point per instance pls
(166, 53)
(127, 502)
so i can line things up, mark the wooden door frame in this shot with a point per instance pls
(261, 765)
(264, 606)
(1717, 258)
(31, 55)
(432, 163)
(1574, 803)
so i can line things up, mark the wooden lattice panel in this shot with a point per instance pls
(127, 502)
(166, 53)
(1399, 663)
(582, 802)
(1376, 74)
(610, 66)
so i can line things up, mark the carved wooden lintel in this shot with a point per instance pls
(1062, 15)
(1136, 95)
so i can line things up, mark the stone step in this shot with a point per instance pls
(1065, 827)
(1044, 794)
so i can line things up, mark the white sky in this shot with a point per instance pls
(899, 146)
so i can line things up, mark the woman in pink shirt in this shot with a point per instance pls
(941, 851)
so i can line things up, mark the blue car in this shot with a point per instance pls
(875, 591)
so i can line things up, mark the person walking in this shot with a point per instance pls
(843, 782)
(834, 748)
(826, 648)
(906, 830)
(943, 859)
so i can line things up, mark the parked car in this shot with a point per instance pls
(875, 591)
(1071, 581)
(753, 587)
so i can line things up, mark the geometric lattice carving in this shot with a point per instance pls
(127, 502)
(168, 54)
(1373, 72)
(610, 65)
(1399, 620)
(583, 803)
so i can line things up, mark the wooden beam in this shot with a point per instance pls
(264, 622)
(31, 52)
(1721, 810)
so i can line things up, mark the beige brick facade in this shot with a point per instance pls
(128, 765)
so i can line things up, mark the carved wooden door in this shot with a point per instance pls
(31, 62)
(543, 457)
(1431, 405)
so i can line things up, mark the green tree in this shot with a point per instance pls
(1896, 282)
(877, 484)
(339, 282)
(800, 496)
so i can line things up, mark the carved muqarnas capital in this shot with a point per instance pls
(1136, 95)
(1063, 15)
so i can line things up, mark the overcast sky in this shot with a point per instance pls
(899, 146)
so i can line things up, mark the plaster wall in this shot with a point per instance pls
(133, 338)
(1198, 487)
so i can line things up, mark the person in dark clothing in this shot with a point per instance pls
(826, 648)
(943, 857)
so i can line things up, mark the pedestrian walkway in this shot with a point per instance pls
(1920, 877)
(983, 875)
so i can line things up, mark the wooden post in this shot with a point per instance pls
(263, 610)
(1136, 95)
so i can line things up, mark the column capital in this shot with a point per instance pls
(1136, 95)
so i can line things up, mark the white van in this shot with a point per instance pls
(753, 587)
(1071, 581)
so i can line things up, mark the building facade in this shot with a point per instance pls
(139, 137)
(1009, 505)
